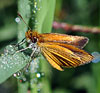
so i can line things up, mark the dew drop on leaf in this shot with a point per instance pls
(11, 62)
(17, 74)
(38, 75)
(17, 19)
(96, 57)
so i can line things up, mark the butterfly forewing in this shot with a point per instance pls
(78, 41)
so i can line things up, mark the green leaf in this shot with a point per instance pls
(42, 14)
(9, 31)
(11, 62)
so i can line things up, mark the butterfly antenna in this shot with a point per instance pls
(24, 21)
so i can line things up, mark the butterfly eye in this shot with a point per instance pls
(35, 39)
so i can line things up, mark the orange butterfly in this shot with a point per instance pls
(59, 49)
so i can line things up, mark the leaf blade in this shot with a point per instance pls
(11, 62)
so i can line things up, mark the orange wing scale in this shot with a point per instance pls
(62, 55)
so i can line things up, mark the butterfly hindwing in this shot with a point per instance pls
(52, 60)
(64, 55)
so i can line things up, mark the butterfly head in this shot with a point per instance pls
(31, 36)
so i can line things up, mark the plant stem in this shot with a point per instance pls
(42, 22)
(24, 10)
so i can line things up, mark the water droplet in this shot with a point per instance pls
(27, 71)
(96, 57)
(14, 75)
(34, 11)
(9, 49)
(42, 74)
(35, 6)
(35, 3)
(23, 79)
(38, 75)
(32, 18)
(17, 74)
(17, 19)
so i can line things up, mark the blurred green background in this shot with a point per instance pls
(84, 79)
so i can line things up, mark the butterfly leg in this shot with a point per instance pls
(22, 49)
(33, 52)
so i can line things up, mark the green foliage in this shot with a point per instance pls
(11, 62)
(7, 30)
(85, 81)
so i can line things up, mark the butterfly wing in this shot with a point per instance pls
(52, 59)
(78, 41)
(63, 55)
